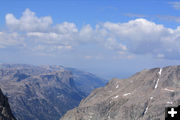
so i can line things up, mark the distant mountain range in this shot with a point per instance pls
(45, 92)
(143, 96)
(5, 111)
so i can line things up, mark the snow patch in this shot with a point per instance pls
(116, 96)
(151, 98)
(160, 71)
(90, 117)
(146, 110)
(126, 94)
(169, 90)
(156, 83)
(169, 102)
(117, 86)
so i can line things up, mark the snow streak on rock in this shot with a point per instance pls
(169, 102)
(160, 71)
(169, 90)
(126, 94)
(146, 110)
(116, 96)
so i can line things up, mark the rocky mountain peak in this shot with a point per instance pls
(143, 96)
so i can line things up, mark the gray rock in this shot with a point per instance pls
(143, 96)
(41, 92)
(5, 111)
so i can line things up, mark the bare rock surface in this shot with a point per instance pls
(5, 111)
(143, 96)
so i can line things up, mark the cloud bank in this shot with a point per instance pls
(135, 37)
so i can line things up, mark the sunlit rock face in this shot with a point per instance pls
(143, 96)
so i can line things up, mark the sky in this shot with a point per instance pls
(110, 38)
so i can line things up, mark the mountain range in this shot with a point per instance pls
(45, 92)
(54, 92)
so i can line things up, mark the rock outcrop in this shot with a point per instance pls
(143, 96)
(5, 111)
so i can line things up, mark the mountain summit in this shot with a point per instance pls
(143, 96)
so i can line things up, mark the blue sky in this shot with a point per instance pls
(111, 38)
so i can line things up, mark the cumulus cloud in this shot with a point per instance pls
(28, 22)
(135, 37)
(169, 18)
(66, 27)
(142, 37)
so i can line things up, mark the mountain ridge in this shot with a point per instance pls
(143, 96)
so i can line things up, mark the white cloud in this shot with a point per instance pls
(169, 18)
(141, 36)
(133, 35)
(138, 36)
(11, 39)
(50, 48)
(86, 34)
(28, 22)
(66, 28)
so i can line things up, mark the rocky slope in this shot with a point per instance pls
(5, 111)
(141, 97)
(41, 92)
(85, 81)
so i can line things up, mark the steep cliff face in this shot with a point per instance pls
(40, 92)
(5, 111)
(144, 96)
